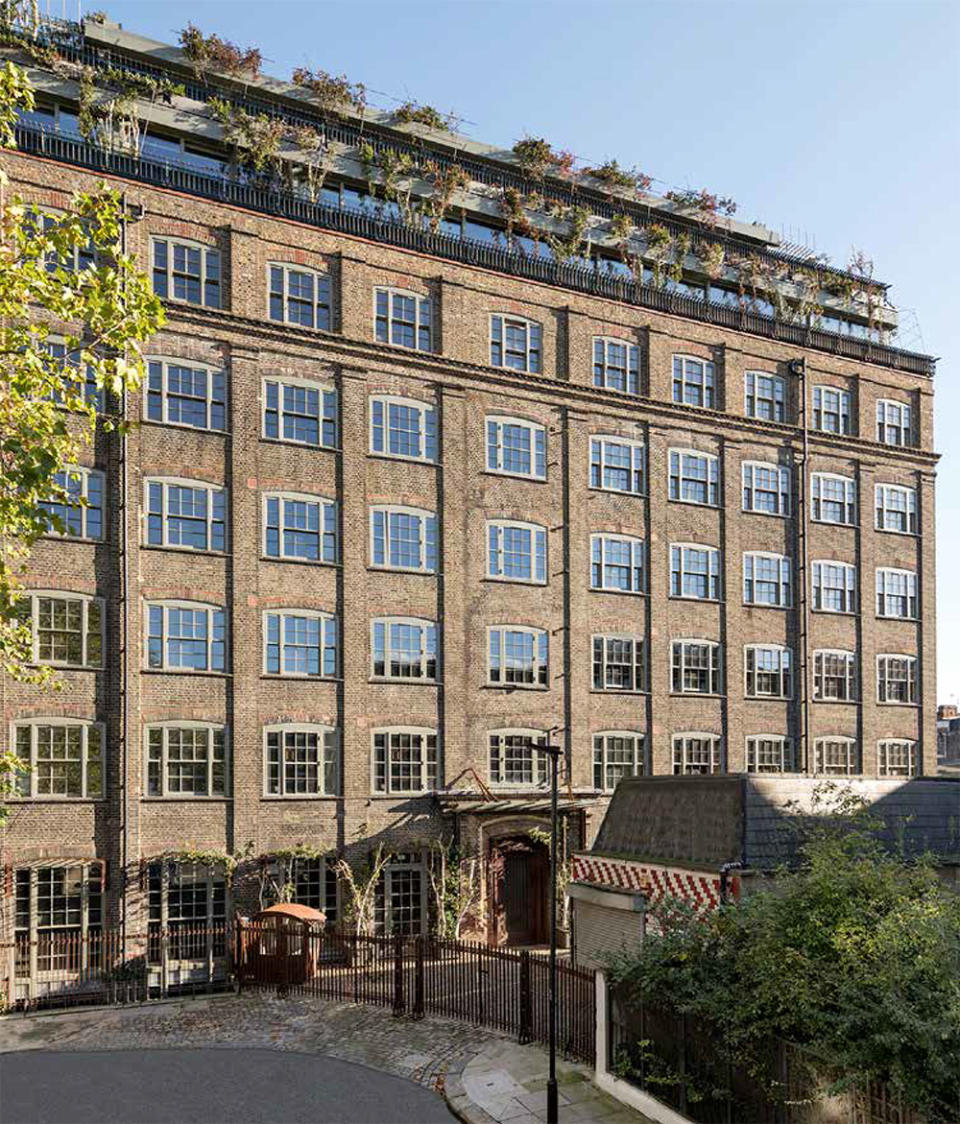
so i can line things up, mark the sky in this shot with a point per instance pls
(835, 123)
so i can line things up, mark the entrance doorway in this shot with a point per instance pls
(519, 876)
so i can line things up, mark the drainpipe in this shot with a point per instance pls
(124, 637)
(725, 881)
(798, 367)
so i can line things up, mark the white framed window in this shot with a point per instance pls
(296, 295)
(833, 498)
(617, 465)
(894, 422)
(697, 754)
(896, 678)
(897, 757)
(179, 392)
(517, 758)
(834, 675)
(515, 343)
(66, 629)
(695, 667)
(694, 381)
(400, 905)
(300, 643)
(80, 256)
(403, 538)
(65, 756)
(187, 912)
(300, 759)
(834, 587)
(765, 396)
(618, 663)
(309, 881)
(403, 427)
(516, 656)
(616, 365)
(405, 759)
(299, 411)
(185, 514)
(768, 671)
(404, 648)
(185, 636)
(299, 527)
(694, 477)
(770, 753)
(767, 580)
(516, 552)
(896, 508)
(79, 513)
(76, 385)
(55, 909)
(516, 447)
(186, 271)
(617, 563)
(896, 593)
(836, 757)
(186, 759)
(403, 319)
(694, 571)
(766, 488)
(616, 754)
(831, 409)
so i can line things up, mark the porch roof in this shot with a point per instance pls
(478, 805)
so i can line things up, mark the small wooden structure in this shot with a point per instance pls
(275, 946)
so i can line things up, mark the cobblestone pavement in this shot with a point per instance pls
(485, 1077)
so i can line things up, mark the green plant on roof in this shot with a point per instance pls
(210, 52)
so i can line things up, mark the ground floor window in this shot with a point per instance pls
(58, 918)
(301, 879)
(187, 912)
(400, 904)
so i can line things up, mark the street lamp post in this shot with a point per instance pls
(552, 1101)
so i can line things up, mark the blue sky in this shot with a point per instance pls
(835, 122)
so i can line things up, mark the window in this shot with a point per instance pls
(616, 365)
(618, 663)
(897, 758)
(186, 759)
(402, 319)
(300, 760)
(303, 412)
(186, 395)
(185, 514)
(834, 498)
(693, 381)
(894, 423)
(399, 905)
(184, 636)
(694, 571)
(76, 385)
(65, 756)
(770, 753)
(697, 754)
(404, 648)
(299, 527)
(834, 587)
(299, 642)
(696, 667)
(896, 509)
(311, 882)
(764, 396)
(517, 657)
(66, 629)
(79, 257)
(835, 757)
(896, 679)
(55, 908)
(694, 477)
(405, 760)
(517, 552)
(616, 563)
(517, 759)
(187, 911)
(615, 756)
(401, 427)
(767, 580)
(616, 465)
(834, 676)
(769, 672)
(79, 512)
(299, 296)
(186, 271)
(831, 410)
(404, 539)
(515, 344)
(896, 594)
(766, 488)
(516, 447)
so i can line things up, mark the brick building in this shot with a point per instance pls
(407, 496)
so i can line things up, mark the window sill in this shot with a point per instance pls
(181, 550)
(14, 800)
(769, 698)
(901, 620)
(290, 443)
(763, 605)
(696, 600)
(837, 702)
(514, 581)
(401, 570)
(514, 687)
(300, 561)
(186, 799)
(621, 592)
(767, 514)
(402, 459)
(616, 492)
(312, 797)
(834, 613)
(695, 503)
(160, 424)
(894, 702)
(831, 523)
(894, 531)
(514, 476)
(186, 671)
(696, 695)
(419, 793)
(635, 692)
(280, 677)
(52, 537)
(387, 681)
(60, 667)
